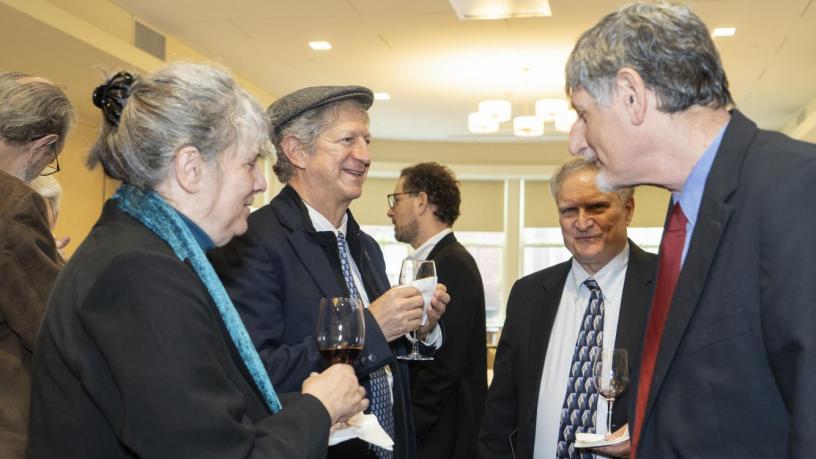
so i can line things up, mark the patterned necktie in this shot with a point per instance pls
(668, 270)
(581, 400)
(380, 396)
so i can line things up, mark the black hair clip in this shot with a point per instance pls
(112, 96)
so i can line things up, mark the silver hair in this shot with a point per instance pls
(32, 107)
(667, 44)
(579, 164)
(306, 128)
(182, 104)
(50, 189)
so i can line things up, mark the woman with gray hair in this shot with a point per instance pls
(142, 353)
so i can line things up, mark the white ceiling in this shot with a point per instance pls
(437, 68)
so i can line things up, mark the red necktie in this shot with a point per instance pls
(671, 252)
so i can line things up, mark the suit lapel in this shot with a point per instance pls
(637, 288)
(712, 219)
(541, 323)
(293, 215)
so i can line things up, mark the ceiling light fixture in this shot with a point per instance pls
(548, 109)
(528, 126)
(320, 45)
(500, 9)
(382, 96)
(501, 110)
(482, 124)
(723, 32)
(552, 114)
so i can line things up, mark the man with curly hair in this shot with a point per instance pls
(448, 393)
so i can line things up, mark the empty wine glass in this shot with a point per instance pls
(422, 275)
(340, 329)
(610, 376)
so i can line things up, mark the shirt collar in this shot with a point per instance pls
(199, 235)
(422, 252)
(605, 275)
(322, 223)
(692, 194)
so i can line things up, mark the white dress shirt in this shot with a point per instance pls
(561, 347)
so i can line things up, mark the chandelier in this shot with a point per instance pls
(553, 114)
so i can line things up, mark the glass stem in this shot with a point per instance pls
(415, 347)
(611, 402)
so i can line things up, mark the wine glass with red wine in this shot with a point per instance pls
(340, 329)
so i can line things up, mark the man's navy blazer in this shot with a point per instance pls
(276, 274)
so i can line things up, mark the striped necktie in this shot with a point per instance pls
(380, 391)
(581, 401)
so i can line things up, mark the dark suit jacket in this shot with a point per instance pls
(29, 264)
(276, 274)
(448, 393)
(133, 361)
(733, 376)
(510, 416)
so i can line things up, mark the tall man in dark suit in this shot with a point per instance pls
(729, 349)
(559, 318)
(305, 245)
(35, 117)
(448, 393)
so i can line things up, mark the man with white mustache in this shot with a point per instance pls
(305, 245)
(532, 399)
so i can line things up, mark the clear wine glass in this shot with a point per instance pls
(610, 376)
(421, 274)
(340, 329)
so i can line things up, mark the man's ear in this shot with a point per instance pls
(631, 90)
(294, 151)
(422, 202)
(42, 144)
(188, 167)
(629, 208)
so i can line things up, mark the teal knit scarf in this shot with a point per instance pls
(150, 209)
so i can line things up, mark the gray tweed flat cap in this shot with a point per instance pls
(296, 103)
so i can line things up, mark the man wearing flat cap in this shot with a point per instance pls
(305, 245)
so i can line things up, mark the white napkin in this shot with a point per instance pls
(426, 287)
(592, 440)
(362, 426)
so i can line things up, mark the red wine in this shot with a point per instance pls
(340, 354)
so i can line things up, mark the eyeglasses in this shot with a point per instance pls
(53, 166)
(392, 200)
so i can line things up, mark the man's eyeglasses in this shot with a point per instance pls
(392, 198)
(53, 166)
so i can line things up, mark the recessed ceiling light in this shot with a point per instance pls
(382, 96)
(724, 32)
(319, 45)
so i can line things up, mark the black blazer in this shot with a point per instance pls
(733, 376)
(508, 428)
(276, 274)
(448, 393)
(133, 360)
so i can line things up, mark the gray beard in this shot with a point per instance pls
(408, 233)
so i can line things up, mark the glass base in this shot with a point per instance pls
(417, 357)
